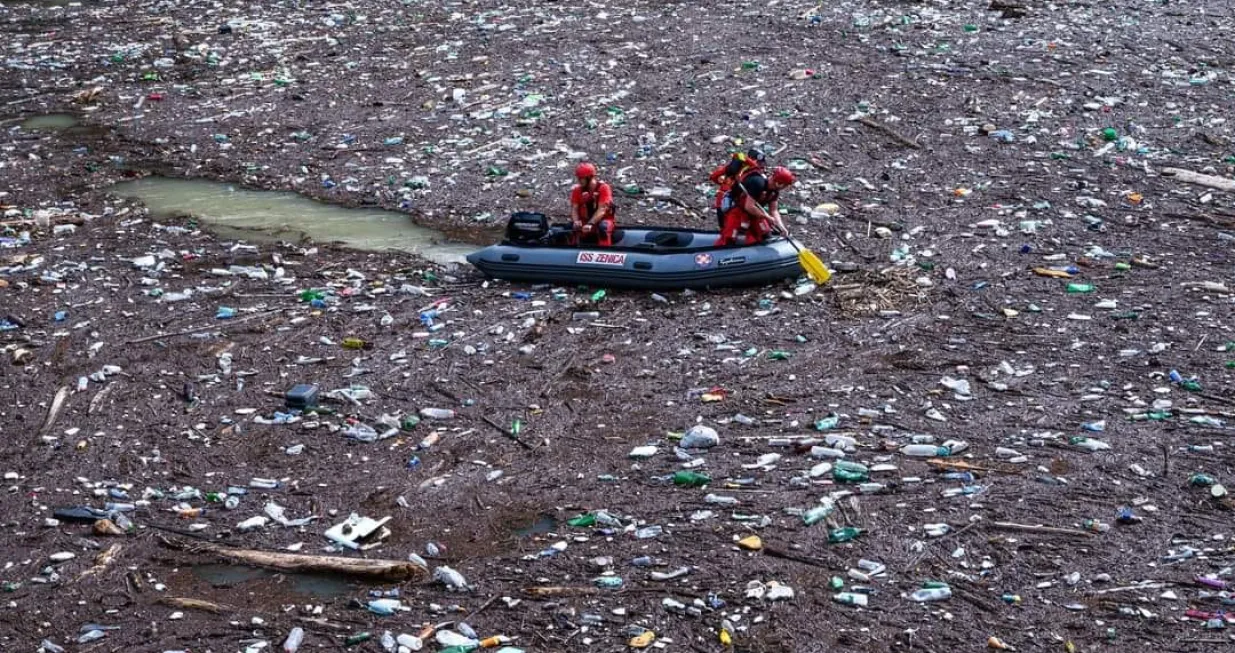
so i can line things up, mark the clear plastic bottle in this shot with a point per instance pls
(817, 514)
(850, 598)
(924, 450)
(1089, 444)
(932, 594)
(294, 639)
(826, 452)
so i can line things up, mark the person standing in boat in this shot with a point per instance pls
(726, 173)
(754, 201)
(591, 203)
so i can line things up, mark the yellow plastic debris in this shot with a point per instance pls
(643, 641)
(751, 543)
(998, 644)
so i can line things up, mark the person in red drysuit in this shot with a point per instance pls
(591, 203)
(751, 193)
(725, 174)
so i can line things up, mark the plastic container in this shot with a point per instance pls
(302, 396)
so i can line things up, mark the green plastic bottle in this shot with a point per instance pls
(850, 472)
(582, 521)
(1080, 287)
(846, 534)
(687, 478)
(1202, 480)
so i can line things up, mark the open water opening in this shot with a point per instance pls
(233, 211)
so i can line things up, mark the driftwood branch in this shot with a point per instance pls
(1047, 530)
(57, 404)
(1130, 588)
(203, 328)
(98, 398)
(299, 563)
(679, 203)
(554, 591)
(196, 604)
(102, 561)
(1210, 181)
(508, 433)
(806, 560)
(544, 391)
(889, 132)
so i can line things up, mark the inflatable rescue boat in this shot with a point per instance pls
(651, 258)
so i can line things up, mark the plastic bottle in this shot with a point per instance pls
(720, 499)
(850, 472)
(842, 442)
(582, 521)
(1075, 288)
(1089, 444)
(429, 440)
(850, 598)
(924, 450)
(362, 432)
(80, 514)
(437, 413)
(385, 606)
(410, 641)
(608, 582)
(1201, 480)
(687, 478)
(826, 453)
(817, 514)
(649, 532)
(846, 534)
(932, 594)
(294, 639)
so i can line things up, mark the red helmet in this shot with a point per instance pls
(782, 176)
(585, 170)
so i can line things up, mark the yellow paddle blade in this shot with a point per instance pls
(815, 269)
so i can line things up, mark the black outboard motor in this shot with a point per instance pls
(527, 228)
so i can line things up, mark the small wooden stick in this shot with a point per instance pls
(891, 133)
